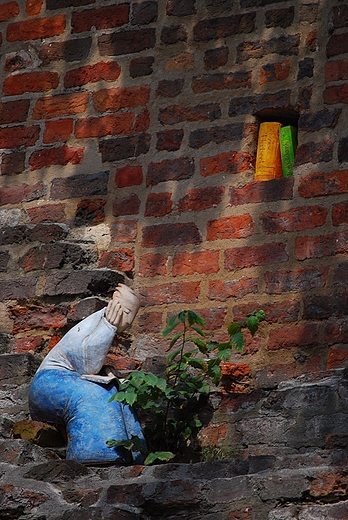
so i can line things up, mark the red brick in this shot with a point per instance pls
(170, 170)
(100, 18)
(317, 184)
(228, 162)
(90, 212)
(213, 433)
(298, 280)
(18, 288)
(274, 72)
(338, 17)
(320, 246)
(58, 130)
(141, 66)
(336, 70)
(296, 219)
(142, 121)
(201, 262)
(336, 94)
(169, 140)
(107, 71)
(118, 260)
(183, 292)
(236, 289)
(150, 322)
(311, 41)
(272, 375)
(14, 111)
(212, 29)
(36, 28)
(28, 318)
(248, 256)
(127, 206)
(122, 97)
(47, 213)
(30, 82)
(242, 514)
(177, 114)
(112, 124)
(170, 87)
(153, 264)
(129, 176)
(314, 152)
(171, 234)
(221, 81)
(80, 185)
(158, 204)
(21, 193)
(50, 156)
(240, 226)
(337, 44)
(12, 163)
(9, 10)
(286, 45)
(33, 7)
(214, 318)
(337, 359)
(124, 231)
(76, 49)
(295, 336)
(268, 191)
(30, 344)
(199, 199)
(276, 312)
(61, 105)
(336, 332)
(17, 136)
(183, 61)
(214, 58)
(126, 42)
(340, 213)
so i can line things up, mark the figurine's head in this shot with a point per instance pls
(129, 303)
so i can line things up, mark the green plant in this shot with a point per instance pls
(173, 402)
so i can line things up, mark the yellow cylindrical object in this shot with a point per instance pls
(268, 160)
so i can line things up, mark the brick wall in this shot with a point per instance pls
(128, 135)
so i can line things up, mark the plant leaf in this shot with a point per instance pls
(172, 355)
(238, 341)
(158, 455)
(198, 363)
(198, 330)
(252, 324)
(233, 328)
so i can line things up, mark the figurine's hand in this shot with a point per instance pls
(130, 304)
(114, 313)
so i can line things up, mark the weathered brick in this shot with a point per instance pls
(297, 280)
(336, 94)
(314, 152)
(337, 358)
(336, 70)
(170, 87)
(169, 140)
(236, 289)
(122, 97)
(240, 226)
(317, 184)
(304, 97)
(101, 18)
(212, 433)
(82, 282)
(342, 152)
(89, 212)
(296, 219)
(171, 234)
(276, 312)
(214, 58)
(153, 264)
(323, 306)
(58, 130)
(176, 114)
(183, 61)
(248, 256)
(170, 170)
(18, 289)
(12, 163)
(126, 42)
(336, 332)
(60, 105)
(124, 231)
(173, 33)
(141, 66)
(36, 28)
(268, 191)
(68, 50)
(61, 155)
(180, 292)
(337, 44)
(201, 262)
(126, 206)
(311, 122)
(119, 148)
(150, 322)
(80, 185)
(47, 213)
(280, 17)
(30, 82)
(158, 204)
(320, 246)
(9, 10)
(271, 376)
(142, 122)
(14, 111)
(214, 28)
(128, 176)
(18, 136)
(340, 274)
(118, 260)
(219, 134)
(340, 213)
(228, 162)
(305, 68)
(338, 17)
(33, 317)
(120, 123)
(4, 260)
(309, 13)
(199, 199)
(296, 336)
(144, 12)
(260, 103)
(274, 72)
(284, 45)
(33, 7)
(22, 193)
(107, 71)
(221, 81)
(180, 7)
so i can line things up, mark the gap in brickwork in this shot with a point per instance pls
(286, 116)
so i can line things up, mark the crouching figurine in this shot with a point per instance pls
(69, 389)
